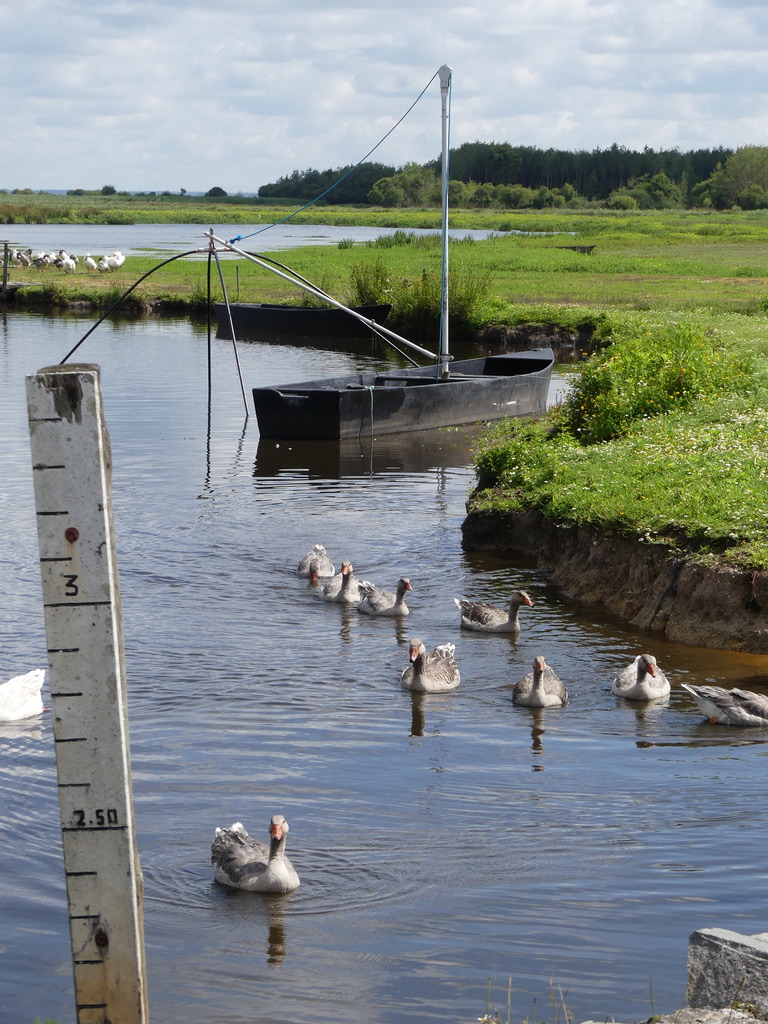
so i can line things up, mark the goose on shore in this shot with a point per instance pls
(242, 862)
(343, 588)
(487, 618)
(730, 707)
(642, 680)
(541, 688)
(433, 672)
(323, 566)
(20, 697)
(375, 601)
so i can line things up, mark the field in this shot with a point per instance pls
(674, 261)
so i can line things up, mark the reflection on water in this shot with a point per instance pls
(441, 839)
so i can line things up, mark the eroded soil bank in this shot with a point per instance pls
(644, 583)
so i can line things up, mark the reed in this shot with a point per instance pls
(560, 1012)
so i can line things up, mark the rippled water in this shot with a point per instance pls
(441, 840)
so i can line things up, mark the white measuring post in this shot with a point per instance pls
(71, 465)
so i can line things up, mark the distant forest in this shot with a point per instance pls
(496, 174)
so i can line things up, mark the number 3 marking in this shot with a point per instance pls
(71, 588)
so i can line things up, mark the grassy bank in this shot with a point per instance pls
(664, 438)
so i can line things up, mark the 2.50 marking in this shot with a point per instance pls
(102, 817)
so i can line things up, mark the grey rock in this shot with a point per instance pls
(725, 968)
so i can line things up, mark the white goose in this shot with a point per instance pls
(20, 697)
(375, 601)
(433, 672)
(730, 707)
(323, 567)
(541, 688)
(89, 261)
(642, 680)
(487, 618)
(343, 588)
(242, 862)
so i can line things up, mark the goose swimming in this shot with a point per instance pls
(20, 697)
(242, 862)
(541, 688)
(487, 618)
(375, 601)
(642, 680)
(343, 588)
(323, 565)
(730, 707)
(433, 672)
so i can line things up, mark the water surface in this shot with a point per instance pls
(441, 841)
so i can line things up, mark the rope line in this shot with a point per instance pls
(240, 238)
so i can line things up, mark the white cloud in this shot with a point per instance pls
(182, 93)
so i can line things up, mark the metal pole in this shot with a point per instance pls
(5, 269)
(71, 464)
(445, 87)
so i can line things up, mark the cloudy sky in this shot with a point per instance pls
(172, 94)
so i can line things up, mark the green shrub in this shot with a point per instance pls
(369, 284)
(648, 373)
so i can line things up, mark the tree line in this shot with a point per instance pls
(491, 174)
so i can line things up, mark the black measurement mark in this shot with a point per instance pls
(75, 604)
(62, 513)
(58, 558)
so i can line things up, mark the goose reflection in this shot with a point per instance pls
(647, 715)
(417, 714)
(420, 701)
(277, 947)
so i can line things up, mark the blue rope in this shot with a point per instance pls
(239, 238)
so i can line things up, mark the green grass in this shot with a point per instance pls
(676, 260)
(664, 438)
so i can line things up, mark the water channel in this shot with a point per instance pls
(441, 841)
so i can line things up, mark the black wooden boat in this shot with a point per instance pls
(251, 319)
(415, 398)
(419, 398)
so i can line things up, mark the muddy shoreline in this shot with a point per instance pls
(649, 585)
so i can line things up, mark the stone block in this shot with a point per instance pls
(725, 967)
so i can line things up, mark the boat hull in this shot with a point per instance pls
(254, 318)
(486, 388)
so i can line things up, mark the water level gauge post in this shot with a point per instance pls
(71, 464)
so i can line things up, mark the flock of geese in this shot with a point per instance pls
(65, 261)
(240, 861)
